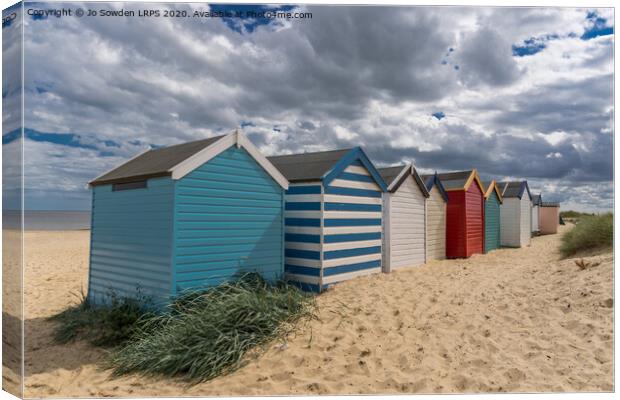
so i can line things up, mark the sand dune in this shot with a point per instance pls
(514, 320)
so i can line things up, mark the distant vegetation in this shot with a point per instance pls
(574, 214)
(592, 233)
(199, 336)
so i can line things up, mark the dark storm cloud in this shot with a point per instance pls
(486, 59)
(570, 106)
(387, 51)
(496, 156)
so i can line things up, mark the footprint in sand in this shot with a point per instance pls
(282, 376)
(462, 383)
(515, 375)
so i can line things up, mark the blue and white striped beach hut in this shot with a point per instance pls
(333, 216)
(186, 217)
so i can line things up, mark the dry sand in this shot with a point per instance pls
(514, 320)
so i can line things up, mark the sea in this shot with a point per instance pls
(47, 220)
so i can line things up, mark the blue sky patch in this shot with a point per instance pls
(247, 16)
(531, 46)
(11, 136)
(439, 115)
(63, 139)
(598, 27)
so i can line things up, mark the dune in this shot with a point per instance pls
(513, 320)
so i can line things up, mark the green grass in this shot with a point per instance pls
(591, 233)
(105, 326)
(199, 336)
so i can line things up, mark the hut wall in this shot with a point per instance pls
(303, 234)
(228, 221)
(474, 203)
(405, 226)
(352, 225)
(535, 218)
(131, 241)
(333, 232)
(492, 217)
(525, 220)
(510, 217)
(549, 220)
(435, 226)
(455, 225)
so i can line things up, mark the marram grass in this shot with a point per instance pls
(106, 326)
(207, 334)
(591, 233)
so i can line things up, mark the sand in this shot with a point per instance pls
(514, 320)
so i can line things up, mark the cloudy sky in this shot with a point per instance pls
(514, 92)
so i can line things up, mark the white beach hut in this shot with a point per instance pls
(404, 216)
(435, 218)
(515, 214)
(536, 202)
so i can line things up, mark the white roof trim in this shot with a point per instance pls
(110, 170)
(235, 138)
(244, 142)
(406, 168)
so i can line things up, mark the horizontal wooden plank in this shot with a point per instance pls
(360, 251)
(349, 275)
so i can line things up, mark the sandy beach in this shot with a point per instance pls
(514, 320)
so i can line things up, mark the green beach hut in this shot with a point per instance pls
(492, 201)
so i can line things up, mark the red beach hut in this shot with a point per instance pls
(465, 213)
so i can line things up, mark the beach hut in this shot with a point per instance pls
(404, 218)
(435, 218)
(492, 205)
(333, 216)
(184, 217)
(465, 213)
(549, 217)
(516, 214)
(536, 202)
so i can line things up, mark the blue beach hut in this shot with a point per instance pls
(333, 216)
(184, 217)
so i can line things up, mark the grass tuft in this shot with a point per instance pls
(206, 334)
(102, 325)
(591, 233)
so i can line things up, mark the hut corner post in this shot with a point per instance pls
(387, 267)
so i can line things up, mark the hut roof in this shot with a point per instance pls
(514, 189)
(491, 186)
(307, 166)
(154, 162)
(460, 180)
(395, 176)
(431, 180)
(178, 160)
(323, 165)
(550, 204)
(537, 199)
